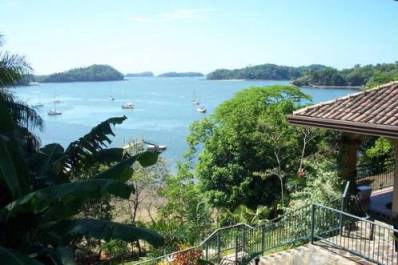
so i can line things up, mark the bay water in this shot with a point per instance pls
(163, 107)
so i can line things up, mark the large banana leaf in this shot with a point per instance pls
(8, 172)
(13, 258)
(65, 197)
(101, 229)
(80, 154)
(63, 256)
(47, 165)
(123, 170)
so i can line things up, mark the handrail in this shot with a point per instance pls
(268, 228)
(355, 217)
(196, 246)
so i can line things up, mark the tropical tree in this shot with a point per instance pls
(40, 192)
(247, 149)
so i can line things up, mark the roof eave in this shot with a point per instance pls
(345, 126)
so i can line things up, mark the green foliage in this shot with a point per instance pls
(367, 76)
(185, 213)
(244, 215)
(94, 72)
(264, 72)
(70, 229)
(381, 147)
(53, 198)
(247, 147)
(321, 184)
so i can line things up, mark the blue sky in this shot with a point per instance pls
(192, 35)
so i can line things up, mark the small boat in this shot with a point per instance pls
(112, 98)
(54, 112)
(128, 105)
(38, 105)
(156, 148)
(56, 101)
(201, 109)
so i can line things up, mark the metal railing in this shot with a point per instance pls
(313, 223)
(223, 243)
(378, 175)
(373, 241)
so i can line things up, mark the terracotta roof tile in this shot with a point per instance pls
(378, 106)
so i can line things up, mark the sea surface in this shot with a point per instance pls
(163, 108)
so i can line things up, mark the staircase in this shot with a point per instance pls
(305, 255)
(316, 224)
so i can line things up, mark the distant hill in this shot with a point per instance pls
(183, 74)
(367, 76)
(142, 74)
(94, 72)
(264, 72)
(314, 75)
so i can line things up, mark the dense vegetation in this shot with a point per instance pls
(367, 76)
(142, 74)
(94, 72)
(314, 75)
(49, 196)
(183, 74)
(90, 203)
(264, 72)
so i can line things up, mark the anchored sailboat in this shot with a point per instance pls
(54, 111)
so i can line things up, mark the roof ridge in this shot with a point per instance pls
(346, 97)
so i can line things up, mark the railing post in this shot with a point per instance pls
(312, 222)
(236, 248)
(262, 239)
(244, 247)
(207, 251)
(218, 246)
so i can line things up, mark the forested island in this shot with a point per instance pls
(265, 72)
(96, 72)
(314, 75)
(183, 74)
(367, 76)
(142, 74)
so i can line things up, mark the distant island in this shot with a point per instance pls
(183, 74)
(142, 74)
(358, 76)
(264, 72)
(91, 73)
(314, 75)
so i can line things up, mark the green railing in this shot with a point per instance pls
(223, 243)
(313, 223)
(241, 243)
(378, 175)
(375, 242)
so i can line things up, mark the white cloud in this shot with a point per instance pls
(175, 15)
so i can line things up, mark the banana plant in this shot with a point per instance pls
(42, 191)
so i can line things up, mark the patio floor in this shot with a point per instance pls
(378, 204)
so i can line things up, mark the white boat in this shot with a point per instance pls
(156, 148)
(201, 109)
(194, 101)
(128, 105)
(54, 112)
(38, 105)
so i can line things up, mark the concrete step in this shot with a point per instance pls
(305, 255)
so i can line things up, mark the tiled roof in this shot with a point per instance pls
(374, 108)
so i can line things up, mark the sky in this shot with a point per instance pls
(192, 35)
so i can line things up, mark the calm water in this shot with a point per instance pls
(163, 109)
